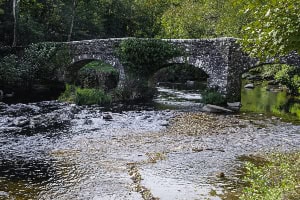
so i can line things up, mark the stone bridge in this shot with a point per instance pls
(221, 59)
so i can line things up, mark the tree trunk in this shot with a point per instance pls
(15, 23)
(72, 20)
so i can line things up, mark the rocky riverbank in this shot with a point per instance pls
(140, 154)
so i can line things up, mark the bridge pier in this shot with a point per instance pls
(220, 59)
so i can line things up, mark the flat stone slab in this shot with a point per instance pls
(215, 109)
(249, 86)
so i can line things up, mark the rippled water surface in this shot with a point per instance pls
(52, 150)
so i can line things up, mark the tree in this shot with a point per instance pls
(191, 19)
(15, 15)
(275, 29)
(147, 17)
(1, 9)
(72, 20)
(231, 19)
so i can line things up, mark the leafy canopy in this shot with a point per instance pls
(275, 28)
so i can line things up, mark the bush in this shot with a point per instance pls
(144, 57)
(213, 97)
(284, 74)
(69, 94)
(39, 62)
(10, 71)
(289, 76)
(85, 96)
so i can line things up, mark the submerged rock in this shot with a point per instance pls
(21, 121)
(107, 116)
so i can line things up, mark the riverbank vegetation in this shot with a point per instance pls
(280, 74)
(211, 96)
(85, 96)
(94, 84)
(38, 64)
(277, 178)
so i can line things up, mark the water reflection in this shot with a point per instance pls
(274, 102)
(23, 178)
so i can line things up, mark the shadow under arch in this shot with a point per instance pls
(179, 72)
(72, 71)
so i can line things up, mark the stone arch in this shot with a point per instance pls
(78, 62)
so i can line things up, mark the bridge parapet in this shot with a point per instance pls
(221, 59)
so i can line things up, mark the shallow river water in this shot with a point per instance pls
(52, 150)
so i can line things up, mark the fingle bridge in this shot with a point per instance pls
(221, 59)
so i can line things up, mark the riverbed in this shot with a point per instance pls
(53, 150)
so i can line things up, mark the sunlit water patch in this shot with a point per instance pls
(179, 95)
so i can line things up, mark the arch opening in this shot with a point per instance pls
(179, 84)
(93, 73)
(181, 73)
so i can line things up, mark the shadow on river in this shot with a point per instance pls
(52, 150)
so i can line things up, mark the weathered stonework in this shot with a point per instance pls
(221, 58)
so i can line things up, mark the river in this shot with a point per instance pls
(168, 150)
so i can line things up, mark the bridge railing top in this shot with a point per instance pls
(165, 39)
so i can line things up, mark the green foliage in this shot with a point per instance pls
(10, 71)
(231, 19)
(267, 71)
(144, 57)
(99, 66)
(85, 96)
(39, 62)
(289, 76)
(275, 28)
(284, 74)
(147, 17)
(211, 96)
(69, 95)
(277, 180)
(191, 19)
(36, 61)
